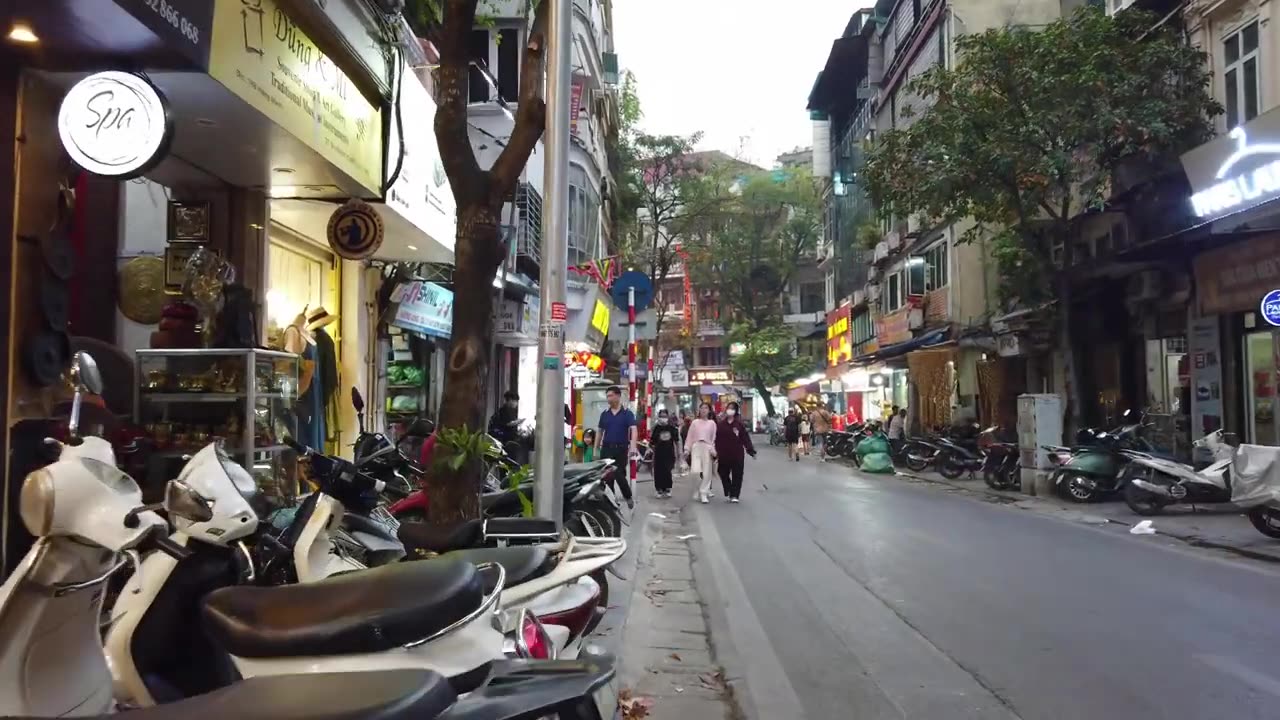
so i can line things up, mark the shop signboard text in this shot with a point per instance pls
(421, 191)
(839, 337)
(423, 307)
(115, 124)
(1270, 308)
(185, 25)
(895, 327)
(711, 377)
(261, 54)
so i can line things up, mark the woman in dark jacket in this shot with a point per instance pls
(733, 444)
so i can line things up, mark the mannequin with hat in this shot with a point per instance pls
(326, 373)
(317, 397)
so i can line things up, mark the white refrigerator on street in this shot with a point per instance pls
(1039, 424)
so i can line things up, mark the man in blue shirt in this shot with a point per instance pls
(617, 440)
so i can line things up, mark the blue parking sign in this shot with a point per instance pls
(1271, 308)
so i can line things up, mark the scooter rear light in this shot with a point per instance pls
(575, 619)
(534, 644)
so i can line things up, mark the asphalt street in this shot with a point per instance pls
(841, 595)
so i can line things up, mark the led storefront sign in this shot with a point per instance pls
(1236, 189)
(1270, 308)
(115, 124)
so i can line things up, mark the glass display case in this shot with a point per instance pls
(244, 399)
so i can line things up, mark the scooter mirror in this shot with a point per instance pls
(85, 374)
(357, 400)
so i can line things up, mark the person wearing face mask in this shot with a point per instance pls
(502, 425)
(666, 448)
(733, 444)
(700, 449)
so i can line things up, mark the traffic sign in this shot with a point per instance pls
(626, 281)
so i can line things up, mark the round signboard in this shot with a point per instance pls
(115, 124)
(625, 282)
(1270, 308)
(355, 230)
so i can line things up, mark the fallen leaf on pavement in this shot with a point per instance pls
(633, 708)
(676, 657)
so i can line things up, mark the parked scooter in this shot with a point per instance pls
(1094, 469)
(1151, 484)
(1000, 468)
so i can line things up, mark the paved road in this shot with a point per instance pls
(840, 595)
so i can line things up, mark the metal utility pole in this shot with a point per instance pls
(548, 458)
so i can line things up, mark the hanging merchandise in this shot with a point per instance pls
(932, 371)
(326, 370)
(141, 284)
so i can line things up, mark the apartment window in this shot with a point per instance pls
(864, 328)
(937, 271)
(893, 296)
(673, 299)
(584, 217)
(478, 86)
(509, 64)
(813, 297)
(713, 356)
(1240, 75)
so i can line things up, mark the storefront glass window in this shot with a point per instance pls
(1259, 352)
(301, 276)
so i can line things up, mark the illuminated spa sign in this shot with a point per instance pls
(114, 124)
(1240, 187)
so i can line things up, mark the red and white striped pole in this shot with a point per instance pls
(648, 391)
(631, 361)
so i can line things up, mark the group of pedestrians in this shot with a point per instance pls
(805, 429)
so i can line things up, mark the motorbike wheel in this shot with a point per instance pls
(915, 463)
(995, 479)
(1143, 502)
(418, 516)
(831, 450)
(949, 468)
(1266, 520)
(584, 524)
(1073, 487)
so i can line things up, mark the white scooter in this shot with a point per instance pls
(163, 642)
(552, 579)
(1151, 484)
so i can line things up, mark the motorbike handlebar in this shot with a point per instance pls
(297, 446)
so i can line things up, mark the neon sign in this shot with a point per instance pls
(1232, 191)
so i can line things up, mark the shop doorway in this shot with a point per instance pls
(1260, 353)
(301, 275)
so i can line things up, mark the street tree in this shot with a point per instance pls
(766, 355)
(1025, 133)
(748, 251)
(479, 247)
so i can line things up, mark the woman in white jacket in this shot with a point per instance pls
(700, 449)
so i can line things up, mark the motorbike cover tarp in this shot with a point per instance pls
(872, 445)
(877, 463)
(1255, 475)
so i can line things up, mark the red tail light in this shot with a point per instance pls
(575, 619)
(536, 643)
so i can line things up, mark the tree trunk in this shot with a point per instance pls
(454, 495)
(758, 383)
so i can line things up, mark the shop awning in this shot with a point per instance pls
(929, 339)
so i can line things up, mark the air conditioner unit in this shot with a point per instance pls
(1144, 287)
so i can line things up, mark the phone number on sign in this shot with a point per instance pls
(174, 17)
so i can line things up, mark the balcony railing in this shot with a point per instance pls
(529, 223)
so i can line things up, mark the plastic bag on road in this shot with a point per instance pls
(873, 444)
(877, 462)
(1255, 475)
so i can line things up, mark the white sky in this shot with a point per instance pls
(738, 70)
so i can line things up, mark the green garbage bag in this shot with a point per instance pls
(877, 462)
(873, 444)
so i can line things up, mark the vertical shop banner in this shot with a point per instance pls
(421, 192)
(1206, 376)
(839, 337)
(575, 106)
(263, 56)
(421, 307)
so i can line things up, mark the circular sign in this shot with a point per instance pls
(115, 124)
(1270, 308)
(626, 281)
(355, 230)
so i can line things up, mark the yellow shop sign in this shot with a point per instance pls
(262, 56)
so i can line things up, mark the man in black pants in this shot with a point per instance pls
(617, 440)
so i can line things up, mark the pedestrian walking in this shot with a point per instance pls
(700, 449)
(791, 434)
(897, 428)
(665, 439)
(820, 419)
(733, 444)
(617, 440)
(805, 430)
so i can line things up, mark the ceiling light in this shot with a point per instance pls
(284, 170)
(413, 247)
(22, 33)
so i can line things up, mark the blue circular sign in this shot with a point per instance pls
(626, 281)
(1270, 308)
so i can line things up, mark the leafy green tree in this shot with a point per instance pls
(1027, 130)
(749, 249)
(767, 356)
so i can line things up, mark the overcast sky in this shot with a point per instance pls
(740, 71)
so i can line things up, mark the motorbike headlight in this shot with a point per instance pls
(35, 505)
(182, 501)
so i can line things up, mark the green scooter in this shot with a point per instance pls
(1094, 470)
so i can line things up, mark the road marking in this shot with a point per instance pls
(1247, 675)
(771, 693)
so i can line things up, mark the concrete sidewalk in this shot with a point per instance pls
(1224, 529)
(667, 669)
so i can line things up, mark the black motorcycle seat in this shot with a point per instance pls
(359, 523)
(521, 563)
(521, 526)
(382, 695)
(441, 538)
(362, 612)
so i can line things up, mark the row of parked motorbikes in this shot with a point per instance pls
(1101, 464)
(200, 607)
